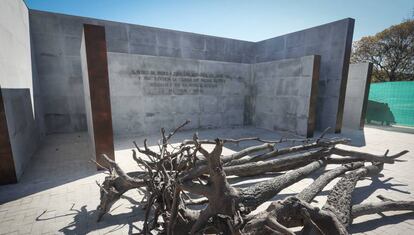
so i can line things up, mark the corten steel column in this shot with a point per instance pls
(97, 95)
(7, 170)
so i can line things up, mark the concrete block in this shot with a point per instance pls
(64, 123)
(168, 38)
(215, 44)
(71, 26)
(332, 41)
(45, 22)
(318, 35)
(142, 49)
(51, 45)
(55, 105)
(305, 88)
(211, 120)
(130, 123)
(169, 51)
(50, 66)
(209, 104)
(233, 103)
(186, 104)
(193, 53)
(288, 98)
(193, 41)
(73, 66)
(142, 35)
(215, 55)
(356, 98)
(271, 46)
(116, 36)
(289, 68)
(295, 39)
(293, 52)
(233, 118)
(72, 45)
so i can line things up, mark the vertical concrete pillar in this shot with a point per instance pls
(356, 99)
(7, 169)
(96, 87)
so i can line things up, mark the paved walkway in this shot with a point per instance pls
(57, 194)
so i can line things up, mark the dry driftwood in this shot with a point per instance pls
(173, 175)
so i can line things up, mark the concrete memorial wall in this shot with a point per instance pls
(285, 93)
(161, 77)
(333, 43)
(57, 40)
(150, 92)
(356, 98)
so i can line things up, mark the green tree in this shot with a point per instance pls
(391, 52)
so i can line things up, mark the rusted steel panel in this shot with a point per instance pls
(98, 80)
(7, 170)
(313, 96)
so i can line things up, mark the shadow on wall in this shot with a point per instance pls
(379, 112)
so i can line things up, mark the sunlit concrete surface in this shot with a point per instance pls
(58, 194)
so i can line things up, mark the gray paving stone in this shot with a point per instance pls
(57, 194)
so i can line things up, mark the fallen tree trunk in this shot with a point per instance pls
(340, 197)
(378, 207)
(257, 168)
(174, 172)
(289, 150)
(259, 193)
(310, 192)
(334, 217)
(367, 156)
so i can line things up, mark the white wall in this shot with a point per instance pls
(16, 81)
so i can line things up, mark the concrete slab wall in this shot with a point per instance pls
(17, 85)
(285, 94)
(333, 43)
(356, 99)
(57, 40)
(150, 92)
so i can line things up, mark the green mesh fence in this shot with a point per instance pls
(391, 103)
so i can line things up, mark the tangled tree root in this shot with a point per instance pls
(173, 175)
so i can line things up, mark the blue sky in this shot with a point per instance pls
(251, 20)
